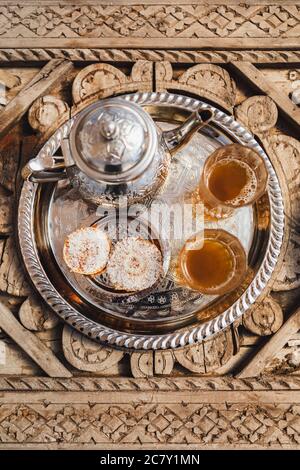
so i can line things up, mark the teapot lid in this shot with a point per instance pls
(113, 140)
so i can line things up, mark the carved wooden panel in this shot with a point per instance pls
(122, 413)
(73, 392)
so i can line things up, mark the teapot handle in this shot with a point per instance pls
(44, 170)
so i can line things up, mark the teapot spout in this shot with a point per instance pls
(180, 136)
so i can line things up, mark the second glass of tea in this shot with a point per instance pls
(213, 262)
(233, 176)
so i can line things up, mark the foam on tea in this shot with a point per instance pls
(232, 181)
(209, 266)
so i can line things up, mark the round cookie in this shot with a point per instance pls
(134, 265)
(86, 250)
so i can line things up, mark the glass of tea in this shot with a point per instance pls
(233, 176)
(213, 263)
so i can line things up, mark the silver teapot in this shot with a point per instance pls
(115, 150)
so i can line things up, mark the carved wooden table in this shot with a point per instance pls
(58, 389)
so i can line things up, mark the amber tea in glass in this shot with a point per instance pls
(233, 176)
(214, 263)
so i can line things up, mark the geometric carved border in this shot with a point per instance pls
(158, 384)
(199, 413)
(239, 414)
(174, 31)
(179, 56)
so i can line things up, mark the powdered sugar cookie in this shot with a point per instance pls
(86, 250)
(135, 264)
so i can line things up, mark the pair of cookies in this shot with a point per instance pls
(132, 264)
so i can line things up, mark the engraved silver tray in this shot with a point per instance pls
(170, 316)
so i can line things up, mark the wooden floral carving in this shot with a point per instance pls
(206, 80)
(264, 319)
(98, 81)
(192, 358)
(87, 355)
(280, 144)
(142, 71)
(46, 112)
(258, 113)
(163, 362)
(209, 355)
(35, 316)
(142, 364)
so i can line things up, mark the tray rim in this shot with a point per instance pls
(187, 335)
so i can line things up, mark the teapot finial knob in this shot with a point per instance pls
(109, 129)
